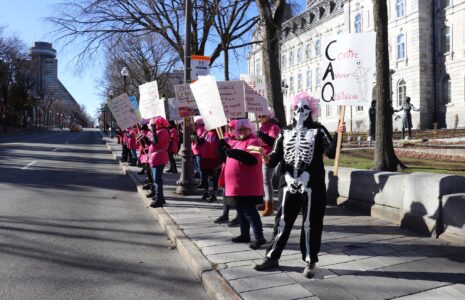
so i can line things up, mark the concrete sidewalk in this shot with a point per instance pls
(361, 257)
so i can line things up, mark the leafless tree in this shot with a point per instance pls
(385, 158)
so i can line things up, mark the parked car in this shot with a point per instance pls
(75, 128)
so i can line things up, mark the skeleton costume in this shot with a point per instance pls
(302, 183)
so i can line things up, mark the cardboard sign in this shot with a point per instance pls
(255, 94)
(232, 96)
(200, 66)
(208, 101)
(150, 104)
(123, 111)
(349, 64)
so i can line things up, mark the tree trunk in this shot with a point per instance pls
(385, 158)
(271, 69)
(226, 64)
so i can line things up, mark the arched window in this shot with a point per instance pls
(446, 39)
(291, 58)
(308, 51)
(318, 48)
(318, 77)
(358, 23)
(299, 55)
(291, 85)
(299, 82)
(400, 8)
(309, 79)
(401, 46)
(446, 89)
(283, 61)
(401, 92)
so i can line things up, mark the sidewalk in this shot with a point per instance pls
(361, 257)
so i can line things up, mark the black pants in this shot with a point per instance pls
(125, 153)
(312, 224)
(173, 167)
(210, 173)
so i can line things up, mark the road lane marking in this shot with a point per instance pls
(28, 165)
(54, 149)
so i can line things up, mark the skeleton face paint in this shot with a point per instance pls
(301, 112)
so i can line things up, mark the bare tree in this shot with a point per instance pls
(271, 16)
(385, 158)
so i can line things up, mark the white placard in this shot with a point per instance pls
(255, 94)
(173, 110)
(349, 64)
(183, 92)
(123, 111)
(200, 66)
(150, 105)
(208, 101)
(232, 96)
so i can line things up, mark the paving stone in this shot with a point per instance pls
(229, 257)
(225, 249)
(452, 292)
(332, 259)
(245, 272)
(215, 242)
(388, 284)
(381, 250)
(295, 268)
(235, 264)
(288, 292)
(204, 224)
(261, 282)
(205, 229)
(347, 268)
(327, 290)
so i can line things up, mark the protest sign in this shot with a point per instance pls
(173, 110)
(208, 100)
(200, 66)
(186, 105)
(349, 65)
(255, 94)
(123, 111)
(150, 104)
(233, 98)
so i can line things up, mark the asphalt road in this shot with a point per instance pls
(71, 226)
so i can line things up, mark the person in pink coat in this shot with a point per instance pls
(158, 158)
(174, 147)
(243, 181)
(199, 129)
(209, 162)
(267, 134)
(132, 144)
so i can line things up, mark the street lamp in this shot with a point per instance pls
(125, 74)
(110, 93)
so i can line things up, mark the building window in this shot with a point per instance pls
(291, 85)
(446, 90)
(318, 48)
(401, 92)
(328, 110)
(283, 61)
(358, 23)
(359, 108)
(401, 46)
(299, 55)
(318, 77)
(291, 58)
(309, 79)
(258, 67)
(400, 8)
(308, 50)
(299, 82)
(446, 39)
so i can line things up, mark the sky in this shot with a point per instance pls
(26, 19)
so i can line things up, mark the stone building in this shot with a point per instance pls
(426, 50)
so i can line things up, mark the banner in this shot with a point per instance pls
(255, 94)
(232, 96)
(150, 103)
(349, 64)
(123, 111)
(208, 100)
(200, 66)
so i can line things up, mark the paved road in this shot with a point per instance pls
(71, 226)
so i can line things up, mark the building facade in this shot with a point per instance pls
(426, 50)
(45, 73)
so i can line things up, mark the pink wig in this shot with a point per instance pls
(244, 123)
(160, 122)
(198, 121)
(310, 101)
(232, 124)
(270, 113)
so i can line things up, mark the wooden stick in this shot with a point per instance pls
(219, 131)
(339, 141)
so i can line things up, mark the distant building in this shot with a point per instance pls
(426, 50)
(45, 74)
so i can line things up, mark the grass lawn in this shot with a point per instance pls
(363, 159)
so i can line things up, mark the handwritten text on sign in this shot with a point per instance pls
(233, 98)
(123, 111)
(255, 94)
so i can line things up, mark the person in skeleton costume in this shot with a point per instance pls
(302, 183)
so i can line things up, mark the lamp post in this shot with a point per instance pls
(125, 74)
(110, 93)
(186, 184)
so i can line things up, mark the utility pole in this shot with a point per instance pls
(186, 184)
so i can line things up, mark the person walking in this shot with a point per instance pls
(407, 116)
(302, 183)
(267, 134)
(242, 179)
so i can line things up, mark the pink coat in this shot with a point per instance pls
(209, 148)
(158, 154)
(273, 131)
(195, 148)
(132, 143)
(174, 136)
(241, 179)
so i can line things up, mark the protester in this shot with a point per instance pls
(302, 181)
(243, 181)
(132, 145)
(158, 152)
(208, 149)
(174, 147)
(124, 144)
(199, 129)
(267, 134)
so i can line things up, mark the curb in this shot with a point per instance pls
(215, 285)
